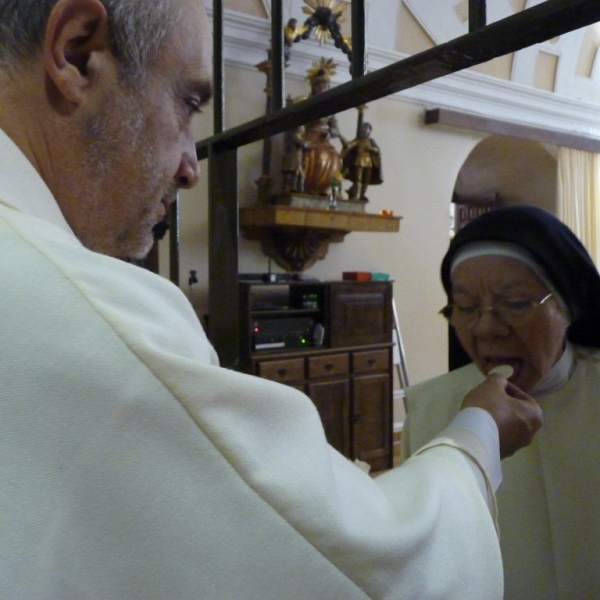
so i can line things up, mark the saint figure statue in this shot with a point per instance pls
(321, 161)
(362, 163)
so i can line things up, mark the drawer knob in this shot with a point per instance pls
(328, 367)
(282, 372)
(371, 362)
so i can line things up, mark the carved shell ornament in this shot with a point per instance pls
(296, 250)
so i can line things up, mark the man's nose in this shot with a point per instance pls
(188, 173)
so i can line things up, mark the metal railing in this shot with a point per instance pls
(483, 43)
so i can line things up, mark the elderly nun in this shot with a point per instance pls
(524, 296)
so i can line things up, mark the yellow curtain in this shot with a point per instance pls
(579, 196)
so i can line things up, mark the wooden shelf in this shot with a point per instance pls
(297, 237)
(275, 215)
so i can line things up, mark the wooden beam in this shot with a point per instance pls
(443, 116)
(531, 26)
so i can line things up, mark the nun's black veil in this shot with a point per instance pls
(558, 251)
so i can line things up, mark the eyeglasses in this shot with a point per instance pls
(510, 312)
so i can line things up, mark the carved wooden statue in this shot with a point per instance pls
(362, 163)
(291, 163)
(321, 161)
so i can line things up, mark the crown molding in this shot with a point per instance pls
(246, 40)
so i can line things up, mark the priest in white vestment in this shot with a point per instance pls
(133, 467)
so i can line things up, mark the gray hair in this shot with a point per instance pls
(137, 29)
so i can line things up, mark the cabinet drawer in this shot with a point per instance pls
(282, 370)
(372, 361)
(329, 365)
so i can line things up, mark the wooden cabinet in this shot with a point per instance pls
(348, 376)
(371, 410)
(332, 399)
(360, 313)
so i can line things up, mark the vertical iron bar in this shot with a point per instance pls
(359, 40)
(223, 300)
(174, 242)
(218, 68)
(223, 310)
(266, 155)
(359, 48)
(477, 14)
(277, 58)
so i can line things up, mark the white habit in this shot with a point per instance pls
(548, 508)
(132, 467)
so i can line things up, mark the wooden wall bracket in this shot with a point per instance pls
(297, 237)
(296, 248)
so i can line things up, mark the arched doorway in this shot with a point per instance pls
(513, 171)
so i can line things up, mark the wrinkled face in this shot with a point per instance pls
(531, 347)
(140, 148)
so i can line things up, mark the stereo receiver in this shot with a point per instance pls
(291, 332)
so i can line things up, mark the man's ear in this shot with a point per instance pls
(75, 43)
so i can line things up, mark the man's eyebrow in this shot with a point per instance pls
(204, 89)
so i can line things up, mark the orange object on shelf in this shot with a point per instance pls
(356, 276)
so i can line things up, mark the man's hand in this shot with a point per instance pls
(517, 415)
